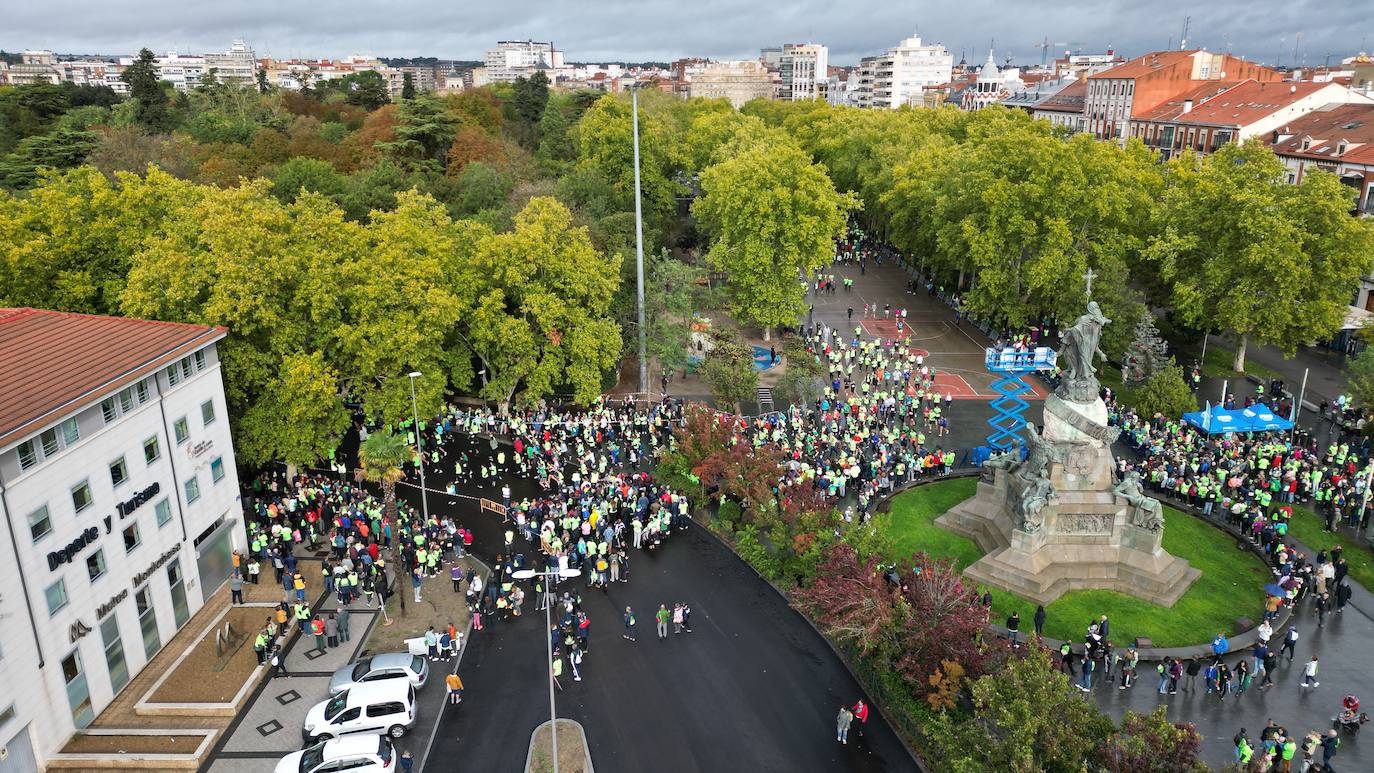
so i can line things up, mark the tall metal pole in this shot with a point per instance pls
(415, 414)
(553, 711)
(1297, 406)
(639, 250)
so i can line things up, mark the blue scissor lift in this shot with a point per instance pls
(1009, 408)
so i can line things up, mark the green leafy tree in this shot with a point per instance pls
(1247, 252)
(531, 97)
(1165, 392)
(540, 320)
(605, 145)
(407, 86)
(773, 216)
(63, 149)
(401, 299)
(301, 417)
(424, 131)
(729, 369)
(1025, 720)
(1150, 743)
(1359, 374)
(669, 299)
(264, 87)
(154, 111)
(365, 89)
(307, 174)
(481, 187)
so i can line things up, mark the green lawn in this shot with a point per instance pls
(1220, 357)
(1230, 586)
(1306, 527)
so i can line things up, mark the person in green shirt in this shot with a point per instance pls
(663, 616)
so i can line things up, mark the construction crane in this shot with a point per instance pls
(1045, 46)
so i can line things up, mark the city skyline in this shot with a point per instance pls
(657, 31)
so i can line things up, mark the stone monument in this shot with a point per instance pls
(1059, 520)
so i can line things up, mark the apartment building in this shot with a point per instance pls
(804, 70)
(737, 81)
(901, 75)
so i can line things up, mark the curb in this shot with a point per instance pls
(586, 748)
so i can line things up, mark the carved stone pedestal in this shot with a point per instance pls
(1085, 540)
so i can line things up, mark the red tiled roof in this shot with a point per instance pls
(1143, 65)
(1249, 102)
(1327, 127)
(52, 362)
(1172, 108)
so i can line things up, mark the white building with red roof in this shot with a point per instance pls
(121, 507)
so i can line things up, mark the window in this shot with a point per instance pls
(119, 472)
(95, 565)
(131, 539)
(192, 489)
(164, 512)
(186, 370)
(78, 693)
(49, 441)
(173, 375)
(385, 709)
(126, 400)
(81, 495)
(141, 391)
(28, 454)
(150, 450)
(57, 596)
(39, 523)
(182, 430)
(108, 409)
(217, 469)
(199, 357)
(207, 412)
(114, 652)
(70, 432)
(147, 621)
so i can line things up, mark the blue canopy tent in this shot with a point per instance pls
(1219, 421)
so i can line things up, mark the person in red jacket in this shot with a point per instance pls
(860, 710)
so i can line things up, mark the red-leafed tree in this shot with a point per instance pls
(941, 619)
(852, 603)
(702, 433)
(1150, 743)
(744, 473)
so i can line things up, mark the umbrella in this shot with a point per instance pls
(1274, 590)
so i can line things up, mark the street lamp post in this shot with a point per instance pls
(639, 249)
(415, 414)
(550, 576)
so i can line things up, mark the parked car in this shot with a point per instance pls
(378, 668)
(356, 753)
(387, 707)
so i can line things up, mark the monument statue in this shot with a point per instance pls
(1060, 520)
(1037, 457)
(1146, 512)
(1079, 346)
(1005, 460)
(1033, 501)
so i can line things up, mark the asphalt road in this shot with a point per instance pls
(752, 688)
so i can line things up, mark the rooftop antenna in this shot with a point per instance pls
(1183, 41)
(1297, 41)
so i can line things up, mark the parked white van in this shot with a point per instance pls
(387, 707)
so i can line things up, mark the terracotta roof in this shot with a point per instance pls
(1250, 102)
(1326, 128)
(1143, 65)
(1068, 99)
(53, 363)
(1172, 108)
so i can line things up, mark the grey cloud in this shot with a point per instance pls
(663, 30)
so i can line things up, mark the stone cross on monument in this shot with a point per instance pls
(1089, 276)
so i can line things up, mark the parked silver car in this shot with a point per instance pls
(378, 668)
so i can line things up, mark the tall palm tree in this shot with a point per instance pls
(383, 457)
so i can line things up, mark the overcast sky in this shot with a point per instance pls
(605, 30)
